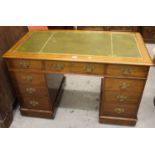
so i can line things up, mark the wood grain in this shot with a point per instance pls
(127, 71)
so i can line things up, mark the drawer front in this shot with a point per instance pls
(130, 85)
(117, 97)
(57, 67)
(36, 103)
(28, 90)
(28, 78)
(127, 71)
(119, 111)
(25, 64)
(87, 68)
(79, 68)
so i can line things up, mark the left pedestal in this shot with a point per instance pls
(38, 93)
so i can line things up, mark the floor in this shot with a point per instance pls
(80, 103)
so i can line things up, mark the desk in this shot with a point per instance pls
(120, 57)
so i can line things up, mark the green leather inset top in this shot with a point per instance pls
(82, 43)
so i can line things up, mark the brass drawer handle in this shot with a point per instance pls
(89, 68)
(126, 71)
(58, 67)
(124, 85)
(27, 78)
(24, 64)
(34, 103)
(119, 110)
(121, 98)
(30, 90)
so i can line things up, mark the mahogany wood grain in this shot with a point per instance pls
(117, 120)
(28, 78)
(128, 98)
(25, 64)
(124, 85)
(74, 67)
(128, 111)
(31, 90)
(127, 71)
(37, 103)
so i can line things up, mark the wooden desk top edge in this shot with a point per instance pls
(145, 61)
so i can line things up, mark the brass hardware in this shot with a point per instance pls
(119, 110)
(27, 78)
(89, 68)
(30, 90)
(34, 103)
(126, 71)
(24, 64)
(124, 85)
(121, 98)
(58, 67)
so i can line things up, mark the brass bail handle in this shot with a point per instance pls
(24, 64)
(58, 67)
(28, 78)
(121, 98)
(89, 68)
(119, 110)
(127, 71)
(34, 103)
(124, 85)
(31, 90)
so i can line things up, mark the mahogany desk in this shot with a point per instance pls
(120, 57)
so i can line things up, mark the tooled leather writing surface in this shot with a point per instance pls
(82, 43)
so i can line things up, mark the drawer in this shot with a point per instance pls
(87, 68)
(119, 111)
(26, 90)
(77, 67)
(118, 84)
(28, 78)
(41, 103)
(57, 66)
(127, 71)
(117, 97)
(25, 64)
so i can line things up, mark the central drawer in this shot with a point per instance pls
(74, 67)
(87, 68)
(57, 66)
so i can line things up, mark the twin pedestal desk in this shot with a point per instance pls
(38, 61)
